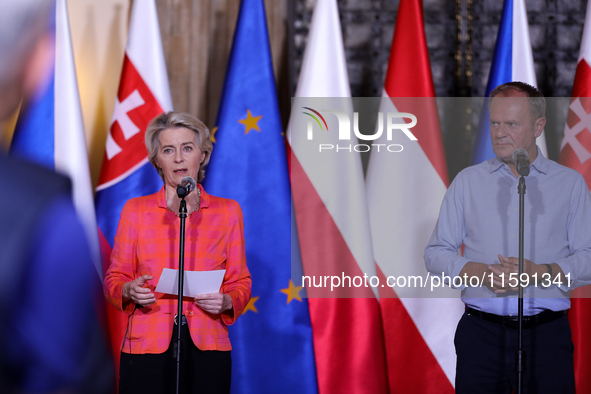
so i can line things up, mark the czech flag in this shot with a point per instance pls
(512, 61)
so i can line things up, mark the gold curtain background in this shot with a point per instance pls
(196, 36)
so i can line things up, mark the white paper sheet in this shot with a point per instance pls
(196, 282)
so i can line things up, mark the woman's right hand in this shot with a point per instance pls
(136, 292)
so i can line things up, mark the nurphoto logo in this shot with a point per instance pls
(394, 123)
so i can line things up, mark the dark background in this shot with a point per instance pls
(461, 35)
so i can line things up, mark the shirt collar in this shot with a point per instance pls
(495, 164)
(161, 196)
(540, 164)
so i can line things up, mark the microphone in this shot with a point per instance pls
(521, 160)
(187, 185)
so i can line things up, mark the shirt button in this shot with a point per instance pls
(189, 313)
(512, 235)
(514, 209)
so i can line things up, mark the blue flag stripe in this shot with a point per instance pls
(500, 72)
(110, 201)
(34, 136)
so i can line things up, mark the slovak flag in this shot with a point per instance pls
(51, 130)
(512, 61)
(126, 172)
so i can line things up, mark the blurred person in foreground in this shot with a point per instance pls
(147, 241)
(480, 211)
(50, 339)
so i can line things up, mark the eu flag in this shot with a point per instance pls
(272, 340)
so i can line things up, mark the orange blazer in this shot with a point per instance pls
(147, 241)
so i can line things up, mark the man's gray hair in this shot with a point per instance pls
(537, 102)
(21, 24)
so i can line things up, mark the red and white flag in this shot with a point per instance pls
(404, 191)
(126, 172)
(331, 215)
(575, 152)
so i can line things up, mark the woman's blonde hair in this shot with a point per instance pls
(177, 120)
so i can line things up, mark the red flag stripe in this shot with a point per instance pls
(421, 373)
(412, 363)
(580, 313)
(133, 149)
(409, 75)
(344, 329)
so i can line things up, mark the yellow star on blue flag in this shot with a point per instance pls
(292, 292)
(250, 305)
(251, 122)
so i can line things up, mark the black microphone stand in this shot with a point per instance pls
(182, 192)
(520, 361)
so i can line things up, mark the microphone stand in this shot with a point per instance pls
(520, 356)
(182, 192)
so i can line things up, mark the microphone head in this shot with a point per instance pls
(521, 161)
(520, 153)
(189, 181)
(187, 185)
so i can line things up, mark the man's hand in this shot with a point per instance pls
(500, 280)
(510, 265)
(478, 270)
(136, 292)
(215, 303)
(529, 267)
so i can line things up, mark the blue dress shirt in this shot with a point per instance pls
(481, 211)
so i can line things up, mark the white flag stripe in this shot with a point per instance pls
(338, 180)
(404, 193)
(523, 70)
(523, 60)
(71, 154)
(324, 70)
(437, 320)
(585, 51)
(144, 49)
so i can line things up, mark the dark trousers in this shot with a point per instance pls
(486, 357)
(201, 371)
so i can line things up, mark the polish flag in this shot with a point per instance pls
(404, 193)
(332, 221)
(575, 152)
(126, 173)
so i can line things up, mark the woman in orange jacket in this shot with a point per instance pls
(147, 241)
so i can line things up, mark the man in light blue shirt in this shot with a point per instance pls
(480, 211)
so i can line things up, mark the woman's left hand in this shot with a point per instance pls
(215, 303)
